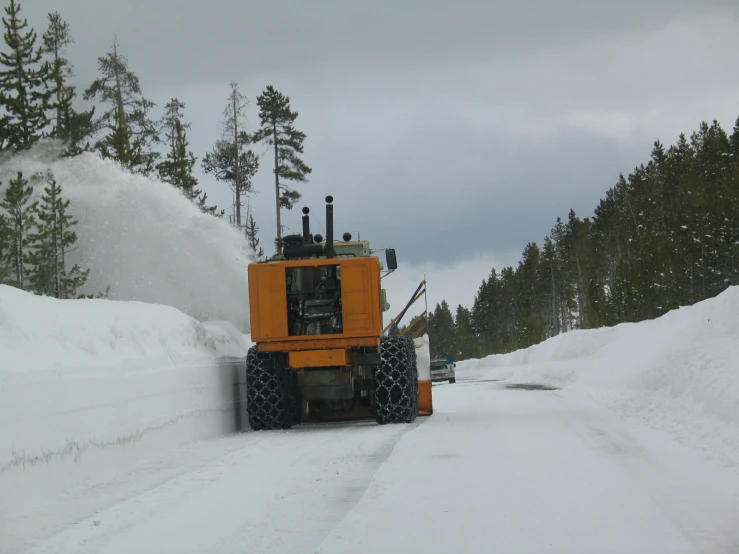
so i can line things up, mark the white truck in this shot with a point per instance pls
(443, 370)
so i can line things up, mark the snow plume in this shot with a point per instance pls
(142, 238)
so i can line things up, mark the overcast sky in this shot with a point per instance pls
(453, 131)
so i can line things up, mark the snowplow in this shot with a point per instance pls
(321, 352)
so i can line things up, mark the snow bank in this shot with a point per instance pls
(143, 238)
(678, 373)
(88, 388)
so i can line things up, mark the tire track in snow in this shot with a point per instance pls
(283, 491)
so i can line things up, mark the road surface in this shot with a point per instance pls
(493, 470)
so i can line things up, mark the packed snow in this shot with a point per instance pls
(143, 238)
(678, 373)
(117, 425)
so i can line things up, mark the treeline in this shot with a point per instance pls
(38, 101)
(665, 236)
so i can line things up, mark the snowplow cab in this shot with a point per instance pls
(317, 323)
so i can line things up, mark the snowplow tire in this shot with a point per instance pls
(396, 381)
(452, 380)
(267, 399)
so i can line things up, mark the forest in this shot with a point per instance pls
(665, 236)
(662, 237)
(38, 101)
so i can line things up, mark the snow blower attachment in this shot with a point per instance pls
(321, 353)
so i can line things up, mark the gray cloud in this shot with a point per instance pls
(445, 129)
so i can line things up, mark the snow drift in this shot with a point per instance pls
(90, 388)
(678, 373)
(142, 238)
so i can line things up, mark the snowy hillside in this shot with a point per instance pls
(678, 373)
(144, 239)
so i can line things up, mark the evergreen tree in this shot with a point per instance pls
(464, 336)
(227, 161)
(131, 132)
(49, 275)
(251, 236)
(277, 130)
(19, 223)
(176, 169)
(441, 331)
(67, 124)
(23, 93)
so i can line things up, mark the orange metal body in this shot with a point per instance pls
(425, 402)
(360, 297)
(318, 358)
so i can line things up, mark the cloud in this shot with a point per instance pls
(453, 131)
(456, 283)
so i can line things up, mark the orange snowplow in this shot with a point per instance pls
(321, 353)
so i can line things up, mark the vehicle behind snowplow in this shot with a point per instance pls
(321, 353)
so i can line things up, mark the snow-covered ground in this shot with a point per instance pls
(678, 373)
(493, 470)
(116, 436)
(142, 238)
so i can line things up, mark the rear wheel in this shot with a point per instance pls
(396, 381)
(270, 400)
(452, 380)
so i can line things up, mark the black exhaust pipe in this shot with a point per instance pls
(330, 228)
(307, 237)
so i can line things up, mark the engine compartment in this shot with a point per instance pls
(314, 305)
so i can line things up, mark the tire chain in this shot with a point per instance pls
(266, 398)
(396, 381)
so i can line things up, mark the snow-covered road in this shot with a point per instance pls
(493, 470)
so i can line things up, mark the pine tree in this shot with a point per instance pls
(67, 124)
(251, 236)
(441, 331)
(227, 161)
(132, 133)
(176, 169)
(54, 238)
(277, 130)
(20, 221)
(23, 93)
(464, 337)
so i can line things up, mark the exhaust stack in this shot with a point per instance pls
(307, 237)
(330, 228)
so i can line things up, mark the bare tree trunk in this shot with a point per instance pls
(58, 253)
(118, 92)
(580, 295)
(237, 171)
(19, 250)
(277, 187)
(555, 319)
